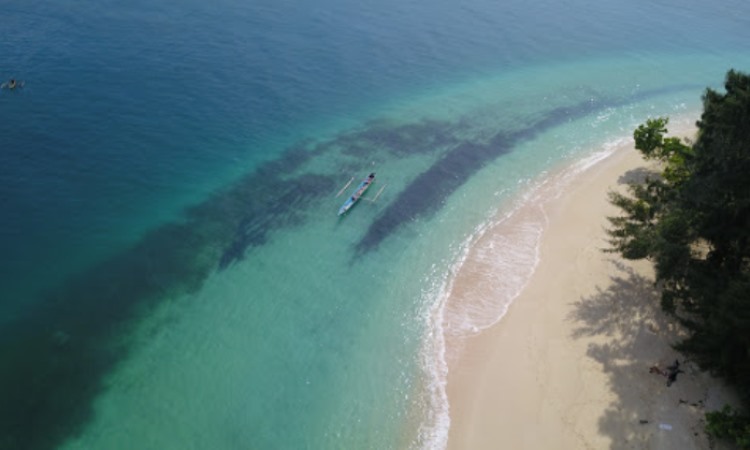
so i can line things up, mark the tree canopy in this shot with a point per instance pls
(693, 221)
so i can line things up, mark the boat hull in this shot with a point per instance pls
(357, 194)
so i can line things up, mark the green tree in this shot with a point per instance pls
(693, 221)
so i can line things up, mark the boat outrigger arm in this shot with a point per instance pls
(357, 194)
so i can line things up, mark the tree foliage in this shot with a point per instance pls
(693, 221)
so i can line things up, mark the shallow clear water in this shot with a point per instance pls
(175, 274)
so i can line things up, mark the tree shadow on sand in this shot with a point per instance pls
(629, 334)
(637, 176)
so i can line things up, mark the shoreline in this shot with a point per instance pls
(568, 365)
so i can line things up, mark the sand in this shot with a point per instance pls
(567, 367)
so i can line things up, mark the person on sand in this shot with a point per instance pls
(670, 373)
(673, 370)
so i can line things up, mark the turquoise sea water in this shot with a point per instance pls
(174, 273)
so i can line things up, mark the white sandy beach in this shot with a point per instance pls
(568, 366)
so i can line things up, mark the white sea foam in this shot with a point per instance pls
(433, 432)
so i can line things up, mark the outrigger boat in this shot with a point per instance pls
(356, 195)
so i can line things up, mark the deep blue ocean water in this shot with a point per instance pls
(167, 183)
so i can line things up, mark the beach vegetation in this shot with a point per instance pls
(729, 424)
(692, 219)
